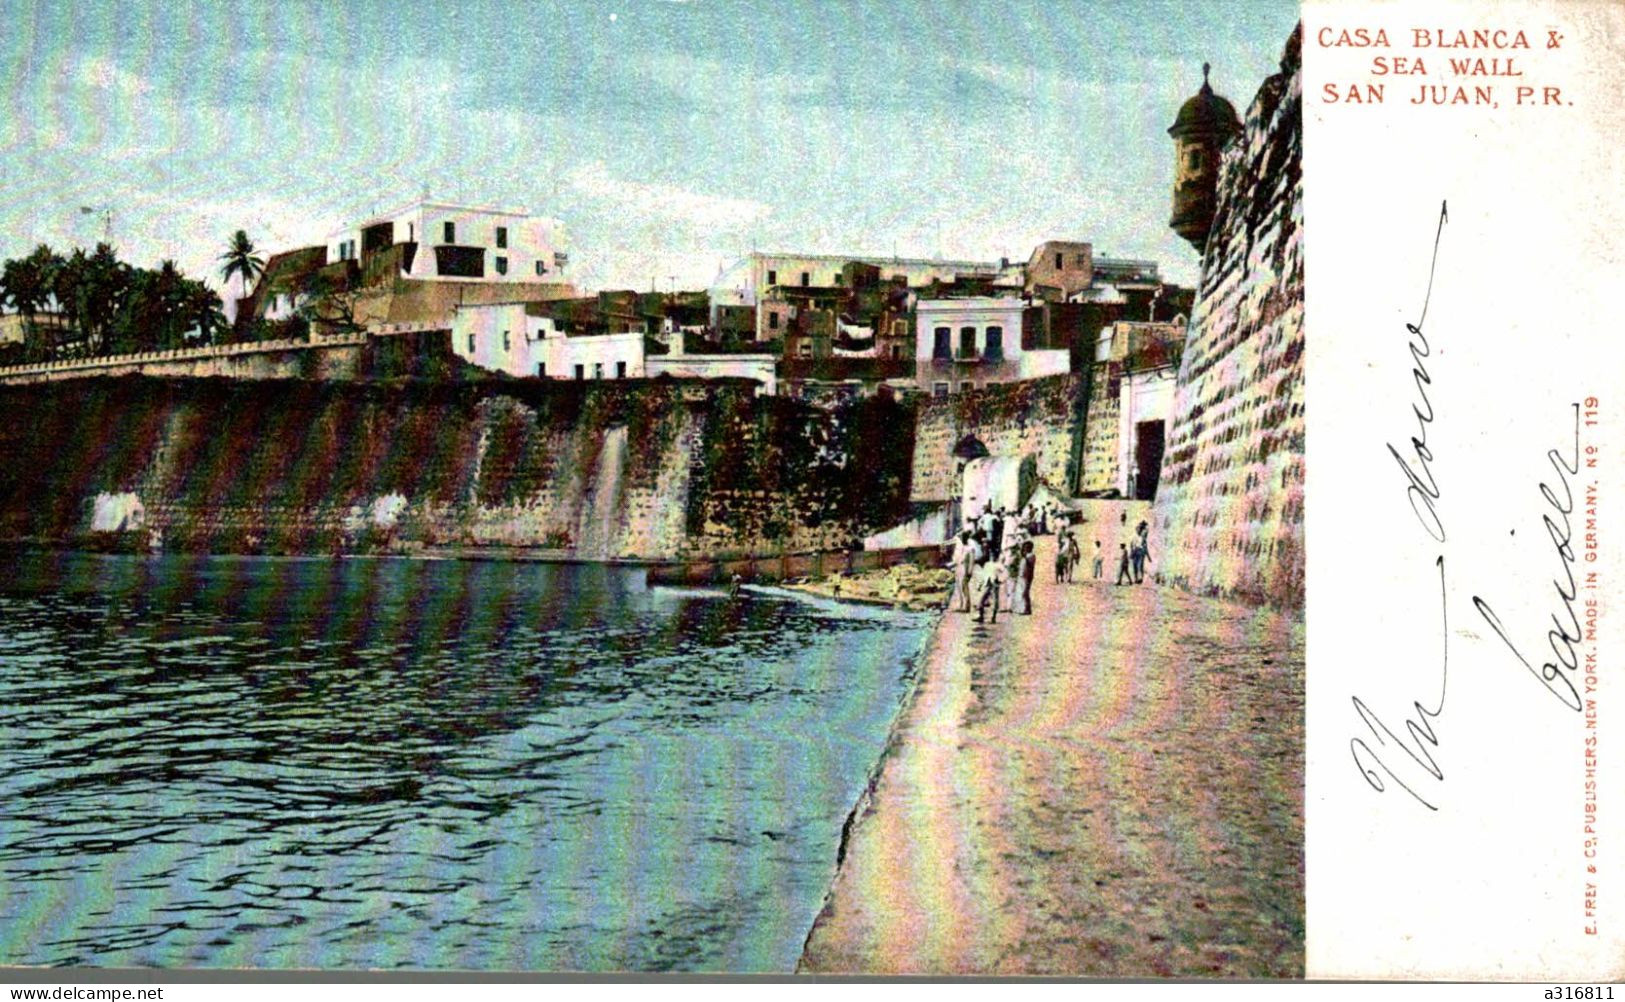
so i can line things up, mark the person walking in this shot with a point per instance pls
(1063, 556)
(964, 565)
(1013, 557)
(1100, 560)
(1029, 563)
(1141, 551)
(1073, 556)
(988, 587)
(1124, 576)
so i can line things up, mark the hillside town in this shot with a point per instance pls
(490, 288)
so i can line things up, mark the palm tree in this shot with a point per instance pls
(96, 289)
(241, 260)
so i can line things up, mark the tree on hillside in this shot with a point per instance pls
(203, 311)
(329, 304)
(27, 285)
(93, 291)
(240, 259)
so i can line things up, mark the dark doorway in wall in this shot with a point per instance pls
(1148, 445)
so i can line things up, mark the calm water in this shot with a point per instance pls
(390, 763)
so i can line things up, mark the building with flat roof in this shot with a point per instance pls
(524, 339)
(745, 283)
(965, 344)
(443, 241)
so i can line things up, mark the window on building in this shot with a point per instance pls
(470, 342)
(773, 321)
(939, 389)
(502, 236)
(541, 370)
(502, 265)
(598, 370)
(804, 349)
(967, 342)
(1193, 160)
(995, 343)
(620, 370)
(410, 233)
(943, 349)
(541, 269)
(1058, 265)
(459, 262)
(1081, 261)
(966, 387)
(772, 277)
(507, 342)
(896, 351)
(449, 231)
(581, 372)
(838, 279)
(806, 279)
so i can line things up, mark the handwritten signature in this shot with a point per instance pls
(1554, 674)
(1424, 493)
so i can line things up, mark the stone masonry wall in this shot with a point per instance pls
(635, 469)
(1039, 418)
(1229, 508)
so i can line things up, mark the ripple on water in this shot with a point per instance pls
(414, 764)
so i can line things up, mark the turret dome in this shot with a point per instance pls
(1205, 113)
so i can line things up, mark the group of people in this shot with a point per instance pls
(993, 559)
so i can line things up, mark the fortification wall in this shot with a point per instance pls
(1230, 505)
(1100, 437)
(1040, 418)
(636, 469)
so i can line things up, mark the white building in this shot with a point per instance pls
(964, 344)
(517, 339)
(521, 340)
(744, 282)
(1145, 399)
(446, 242)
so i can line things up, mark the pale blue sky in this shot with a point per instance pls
(668, 136)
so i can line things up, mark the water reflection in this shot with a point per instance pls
(237, 762)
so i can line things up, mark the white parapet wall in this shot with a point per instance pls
(762, 368)
(209, 360)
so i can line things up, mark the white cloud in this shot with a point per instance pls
(104, 74)
(664, 202)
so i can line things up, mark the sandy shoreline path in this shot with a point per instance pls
(1111, 786)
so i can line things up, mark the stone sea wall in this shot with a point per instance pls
(1039, 418)
(1230, 505)
(635, 469)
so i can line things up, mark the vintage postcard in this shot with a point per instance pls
(1104, 490)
